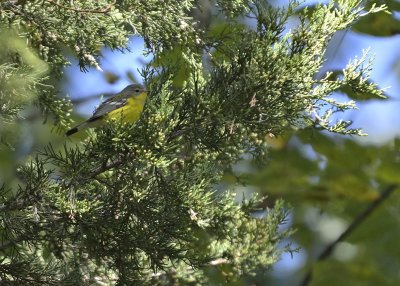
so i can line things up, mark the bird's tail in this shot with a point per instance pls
(77, 128)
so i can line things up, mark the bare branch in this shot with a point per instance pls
(350, 229)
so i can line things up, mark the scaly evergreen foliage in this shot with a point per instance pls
(139, 204)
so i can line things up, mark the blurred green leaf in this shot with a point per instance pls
(178, 62)
(393, 5)
(378, 24)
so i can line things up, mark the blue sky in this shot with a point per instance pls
(378, 118)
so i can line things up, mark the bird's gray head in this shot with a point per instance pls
(133, 89)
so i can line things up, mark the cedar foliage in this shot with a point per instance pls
(139, 204)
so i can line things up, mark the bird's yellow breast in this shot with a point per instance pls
(131, 111)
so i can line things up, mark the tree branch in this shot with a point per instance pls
(350, 229)
(105, 167)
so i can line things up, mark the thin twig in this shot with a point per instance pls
(105, 167)
(350, 229)
(215, 262)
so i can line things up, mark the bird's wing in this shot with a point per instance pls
(107, 106)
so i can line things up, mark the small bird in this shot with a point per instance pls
(126, 105)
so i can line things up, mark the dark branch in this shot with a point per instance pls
(350, 229)
(105, 167)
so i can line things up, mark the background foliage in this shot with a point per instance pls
(230, 84)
